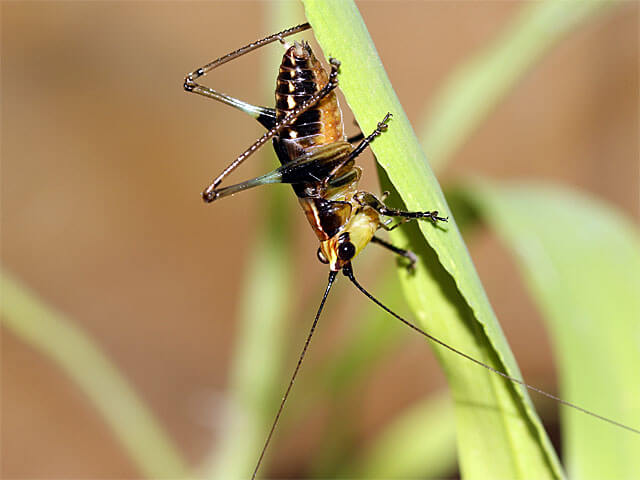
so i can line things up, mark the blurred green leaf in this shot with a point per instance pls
(478, 85)
(54, 335)
(581, 261)
(372, 340)
(258, 378)
(418, 444)
(499, 434)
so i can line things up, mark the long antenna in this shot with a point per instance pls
(348, 271)
(332, 277)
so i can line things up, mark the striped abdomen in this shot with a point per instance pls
(300, 76)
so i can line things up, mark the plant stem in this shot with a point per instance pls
(478, 85)
(257, 376)
(445, 293)
(55, 336)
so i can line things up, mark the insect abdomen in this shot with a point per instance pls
(300, 76)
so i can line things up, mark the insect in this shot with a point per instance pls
(318, 161)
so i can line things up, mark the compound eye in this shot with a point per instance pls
(346, 251)
(321, 257)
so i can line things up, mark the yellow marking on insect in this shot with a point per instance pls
(293, 134)
(292, 87)
(291, 102)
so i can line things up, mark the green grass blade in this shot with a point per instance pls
(257, 375)
(499, 434)
(338, 381)
(475, 88)
(55, 336)
(418, 444)
(581, 261)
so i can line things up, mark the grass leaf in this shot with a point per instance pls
(420, 443)
(581, 261)
(478, 85)
(499, 434)
(55, 336)
(258, 376)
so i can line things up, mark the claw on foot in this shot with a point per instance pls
(434, 216)
(413, 259)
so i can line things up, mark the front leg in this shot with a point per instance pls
(369, 200)
(347, 164)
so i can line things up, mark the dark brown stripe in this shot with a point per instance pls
(310, 116)
(295, 62)
(282, 103)
(299, 74)
(299, 87)
(307, 129)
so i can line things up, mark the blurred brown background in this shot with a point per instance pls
(104, 156)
